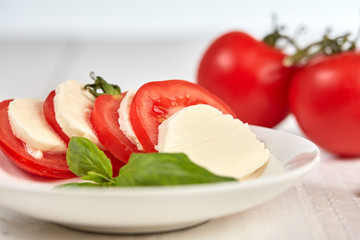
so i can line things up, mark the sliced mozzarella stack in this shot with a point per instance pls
(72, 106)
(28, 123)
(217, 142)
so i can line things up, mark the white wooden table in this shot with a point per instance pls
(325, 205)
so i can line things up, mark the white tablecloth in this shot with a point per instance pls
(325, 205)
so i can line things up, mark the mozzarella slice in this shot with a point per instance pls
(28, 123)
(124, 119)
(215, 141)
(72, 106)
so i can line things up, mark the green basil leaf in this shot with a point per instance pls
(155, 169)
(98, 178)
(86, 159)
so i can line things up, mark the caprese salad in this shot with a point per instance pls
(172, 116)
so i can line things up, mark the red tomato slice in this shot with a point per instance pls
(50, 165)
(115, 163)
(104, 119)
(49, 114)
(156, 101)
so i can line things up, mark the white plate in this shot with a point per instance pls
(153, 209)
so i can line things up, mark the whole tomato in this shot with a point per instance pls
(249, 76)
(324, 96)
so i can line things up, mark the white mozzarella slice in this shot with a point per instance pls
(215, 141)
(73, 105)
(28, 123)
(124, 119)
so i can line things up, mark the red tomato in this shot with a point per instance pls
(104, 119)
(325, 99)
(50, 165)
(115, 163)
(249, 76)
(156, 101)
(49, 114)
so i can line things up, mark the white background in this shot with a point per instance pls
(43, 43)
(165, 20)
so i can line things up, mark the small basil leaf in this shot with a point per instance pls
(98, 178)
(155, 169)
(83, 157)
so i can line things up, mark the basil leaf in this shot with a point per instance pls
(99, 178)
(155, 169)
(87, 160)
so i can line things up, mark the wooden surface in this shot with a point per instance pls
(325, 205)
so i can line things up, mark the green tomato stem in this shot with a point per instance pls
(326, 46)
(101, 87)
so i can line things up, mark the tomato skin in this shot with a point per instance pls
(325, 99)
(50, 165)
(104, 119)
(249, 76)
(49, 113)
(156, 101)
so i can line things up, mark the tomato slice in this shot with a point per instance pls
(50, 165)
(156, 101)
(49, 114)
(104, 119)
